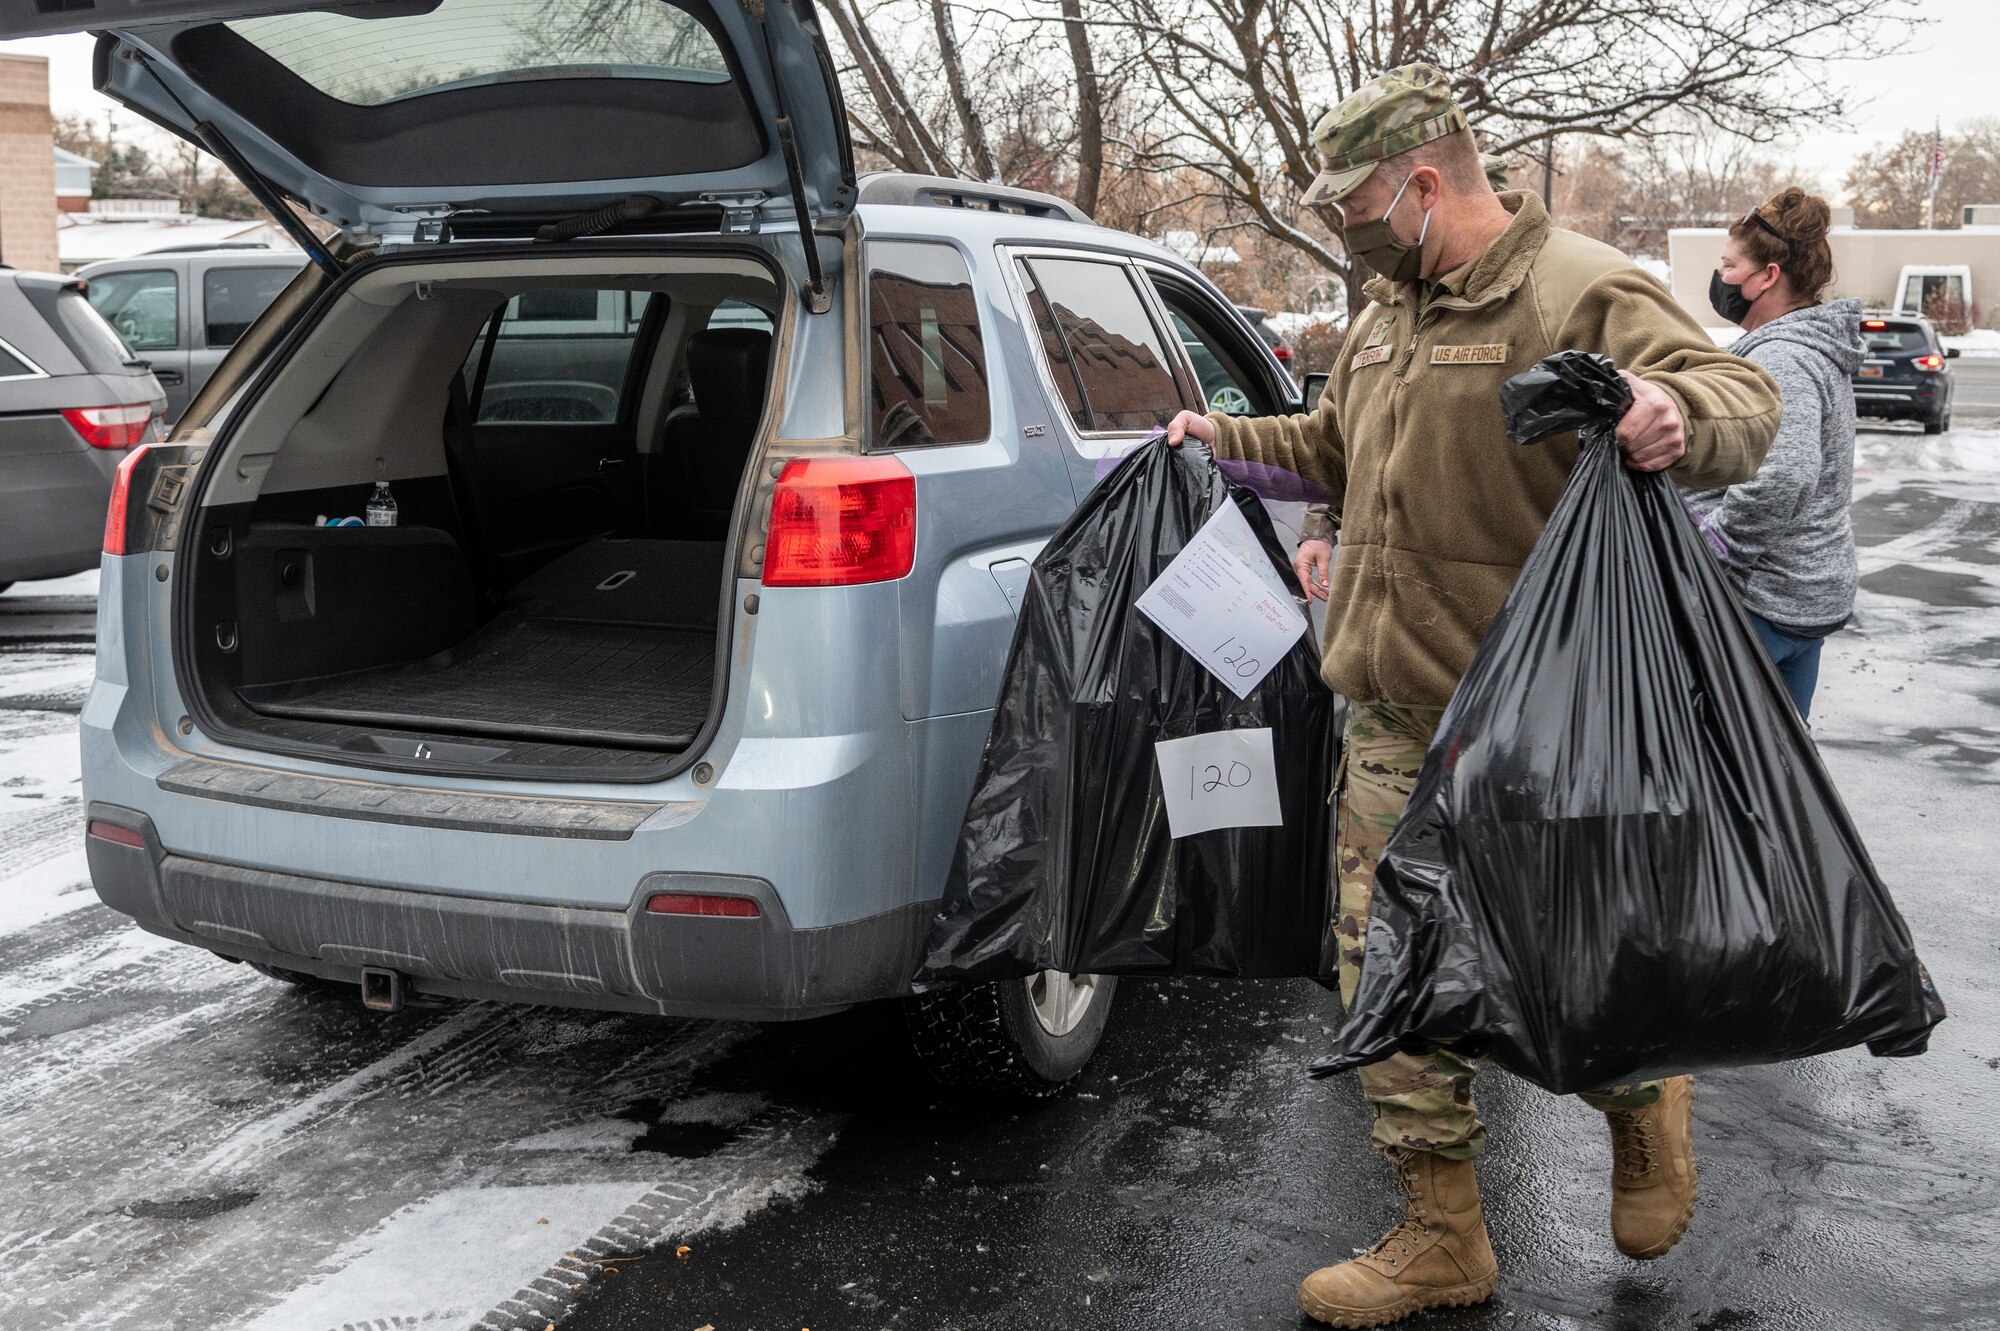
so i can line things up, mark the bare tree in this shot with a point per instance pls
(1014, 94)
(1237, 85)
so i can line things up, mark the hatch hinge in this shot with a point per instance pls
(742, 214)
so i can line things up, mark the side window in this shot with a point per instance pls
(1108, 360)
(144, 305)
(1221, 359)
(232, 298)
(560, 356)
(13, 365)
(926, 359)
(739, 314)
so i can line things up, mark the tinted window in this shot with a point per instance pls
(143, 305)
(560, 356)
(232, 298)
(12, 365)
(1092, 317)
(1894, 337)
(926, 360)
(468, 43)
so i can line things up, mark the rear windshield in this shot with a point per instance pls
(1893, 337)
(461, 43)
(94, 341)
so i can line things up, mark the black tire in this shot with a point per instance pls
(1938, 424)
(987, 1037)
(300, 980)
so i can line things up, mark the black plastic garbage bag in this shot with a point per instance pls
(1065, 861)
(1623, 858)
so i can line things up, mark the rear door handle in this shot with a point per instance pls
(602, 463)
(166, 376)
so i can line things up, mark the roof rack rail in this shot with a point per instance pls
(896, 187)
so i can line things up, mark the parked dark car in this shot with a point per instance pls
(1906, 376)
(184, 309)
(73, 400)
(1279, 347)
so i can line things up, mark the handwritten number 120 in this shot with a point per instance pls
(1245, 665)
(1204, 780)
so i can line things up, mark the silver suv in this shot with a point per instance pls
(667, 688)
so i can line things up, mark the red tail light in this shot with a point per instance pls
(682, 903)
(1874, 323)
(836, 522)
(1931, 363)
(121, 491)
(1282, 352)
(111, 427)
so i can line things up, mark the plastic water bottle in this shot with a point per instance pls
(382, 506)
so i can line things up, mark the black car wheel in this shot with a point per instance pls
(1017, 1037)
(1938, 424)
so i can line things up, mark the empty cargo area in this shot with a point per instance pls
(564, 459)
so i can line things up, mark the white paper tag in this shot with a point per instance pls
(1225, 779)
(1222, 601)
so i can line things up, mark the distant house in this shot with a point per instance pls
(73, 181)
(1191, 246)
(123, 228)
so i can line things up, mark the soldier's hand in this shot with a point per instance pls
(1313, 563)
(1190, 423)
(1652, 434)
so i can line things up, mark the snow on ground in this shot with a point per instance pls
(1978, 342)
(79, 584)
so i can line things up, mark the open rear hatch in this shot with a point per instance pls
(418, 119)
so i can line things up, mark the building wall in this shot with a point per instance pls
(27, 164)
(1865, 264)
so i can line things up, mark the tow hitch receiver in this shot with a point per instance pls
(382, 990)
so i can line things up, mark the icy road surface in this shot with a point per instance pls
(186, 1144)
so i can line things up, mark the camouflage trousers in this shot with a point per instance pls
(1421, 1103)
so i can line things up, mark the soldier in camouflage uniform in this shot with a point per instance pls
(1435, 513)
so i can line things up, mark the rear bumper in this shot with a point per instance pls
(53, 494)
(1879, 399)
(759, 969)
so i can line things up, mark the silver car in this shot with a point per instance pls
(717, 472)
(74, 402)
(183, 309)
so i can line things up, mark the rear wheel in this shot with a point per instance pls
(1019, 1037)
(1938, 424)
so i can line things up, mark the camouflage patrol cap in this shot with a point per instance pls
(1392, 113)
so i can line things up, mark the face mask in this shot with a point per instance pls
(1377, 244)
(1728, 299)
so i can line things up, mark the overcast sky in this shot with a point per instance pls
(1944, 73)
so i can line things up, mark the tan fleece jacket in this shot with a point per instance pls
(1437, 508)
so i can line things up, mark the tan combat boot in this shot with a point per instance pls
(1652, 1171)
(1436, 1256)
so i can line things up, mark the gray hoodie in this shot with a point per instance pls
(1791, 545)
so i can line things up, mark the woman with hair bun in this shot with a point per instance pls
(1789, 538)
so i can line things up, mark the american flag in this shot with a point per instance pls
(1937, 155)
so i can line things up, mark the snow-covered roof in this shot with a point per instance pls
(83, 238)
(64, 157)
(1189, 245)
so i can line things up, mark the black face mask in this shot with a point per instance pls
(1727, 298)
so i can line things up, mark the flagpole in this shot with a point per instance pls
(1937, 170)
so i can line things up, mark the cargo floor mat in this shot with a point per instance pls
(632, 686)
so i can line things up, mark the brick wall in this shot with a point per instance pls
(27, 165)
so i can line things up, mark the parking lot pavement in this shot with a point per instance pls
(184, 1143)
